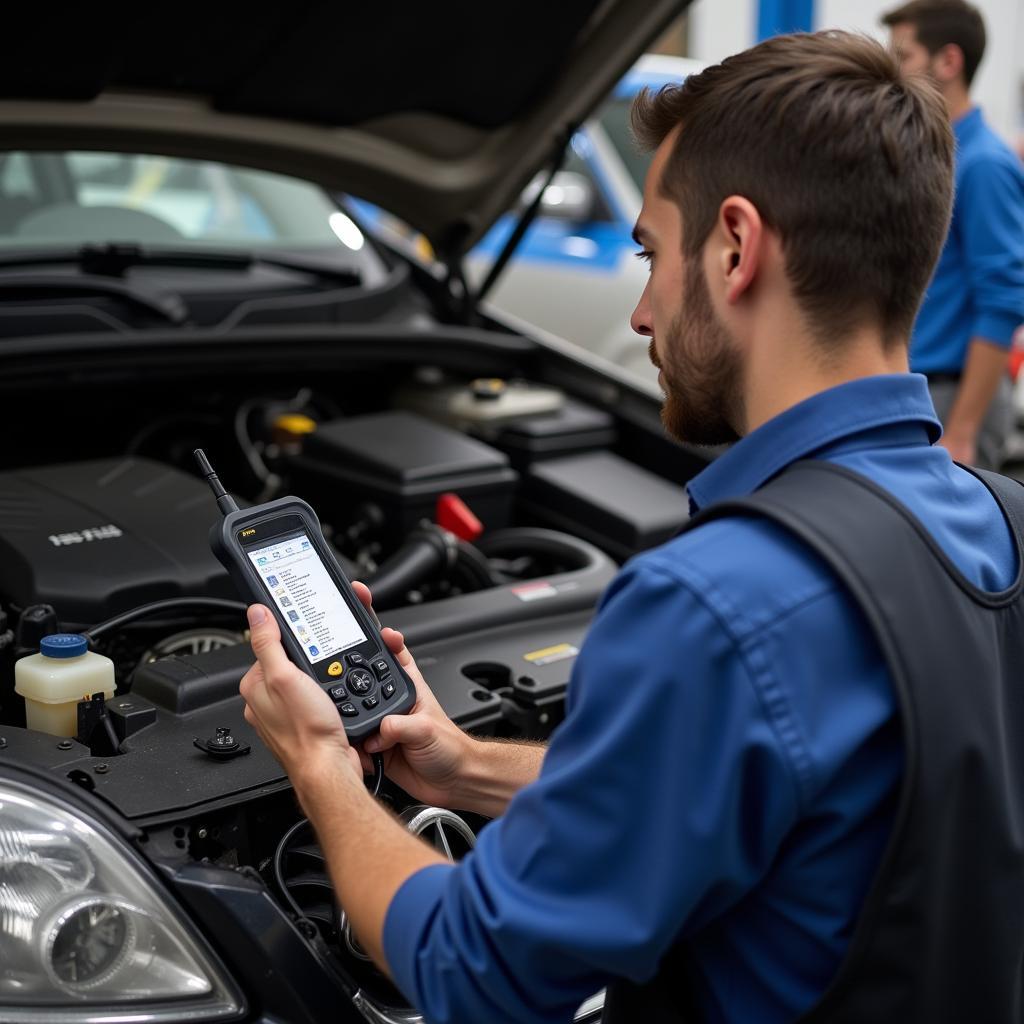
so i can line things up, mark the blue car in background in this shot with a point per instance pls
(574, 274)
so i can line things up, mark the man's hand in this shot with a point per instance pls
(293, 716)
(984, 368)
(425, 752)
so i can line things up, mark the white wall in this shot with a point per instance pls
(721, 27)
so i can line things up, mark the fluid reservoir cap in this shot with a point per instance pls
(487, 389)
(295, 424)
(63, 645)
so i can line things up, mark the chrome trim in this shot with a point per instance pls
(589, 1013)
(419, 820)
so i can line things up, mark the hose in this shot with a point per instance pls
(155, 607)
(570, 552)
(426, 551)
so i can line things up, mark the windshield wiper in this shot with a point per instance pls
(112, 260)
(34, 286)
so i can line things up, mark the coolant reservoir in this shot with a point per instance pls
(482, 403)
(57, 678)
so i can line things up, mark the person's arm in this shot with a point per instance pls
(990, 201)
(369, 854)
(494, 772)
(664, 796)
(983, 370)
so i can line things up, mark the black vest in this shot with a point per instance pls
(940, 938)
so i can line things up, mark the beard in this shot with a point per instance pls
(700, 373)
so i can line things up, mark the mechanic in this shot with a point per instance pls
(976, 299)
(704, 827)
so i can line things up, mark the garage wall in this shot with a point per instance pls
(721, 27)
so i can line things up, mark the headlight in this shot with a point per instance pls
(85, 935)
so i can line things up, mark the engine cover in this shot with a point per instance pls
(94, 539)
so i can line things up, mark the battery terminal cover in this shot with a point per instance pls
(455, 516)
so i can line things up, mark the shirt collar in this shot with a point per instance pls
(966, 123)
(894, 401)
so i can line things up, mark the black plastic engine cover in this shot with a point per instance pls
(97, 538)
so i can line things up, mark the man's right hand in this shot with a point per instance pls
(425, 752)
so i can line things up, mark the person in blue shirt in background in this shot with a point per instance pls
(727, 773)
(975, 301)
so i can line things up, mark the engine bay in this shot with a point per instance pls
(486, 513)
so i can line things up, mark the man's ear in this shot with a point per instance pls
(740, 236)
(948, 63)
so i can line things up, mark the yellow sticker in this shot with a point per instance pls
(548, 655)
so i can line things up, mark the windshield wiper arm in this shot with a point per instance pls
(114, 259)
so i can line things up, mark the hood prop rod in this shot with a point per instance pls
(525, 220)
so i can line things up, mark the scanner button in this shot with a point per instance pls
(381, 668)
(370, 703)
(348, 710)
(337, 692)
(388, 690)
(355, 660)
(360, 681)
(334, 669)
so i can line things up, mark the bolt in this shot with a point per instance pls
(223, 738)
(202, 833)
(65, 745)
(3, 742)
(102, 769)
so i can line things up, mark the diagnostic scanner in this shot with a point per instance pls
(277, 556)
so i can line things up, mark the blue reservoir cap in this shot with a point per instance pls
(63, 645)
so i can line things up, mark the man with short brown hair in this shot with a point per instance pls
(790, 773)
(976, 300)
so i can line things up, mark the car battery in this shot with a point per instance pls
(571, 429)
(606, 500)
(403, 463)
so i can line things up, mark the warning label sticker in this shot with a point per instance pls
(549, 655)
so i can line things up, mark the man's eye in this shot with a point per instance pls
(646, 255)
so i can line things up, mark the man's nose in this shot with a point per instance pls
(640, 321)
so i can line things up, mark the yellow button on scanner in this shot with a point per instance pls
(334, 669)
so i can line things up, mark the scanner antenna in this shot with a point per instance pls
(225, 502)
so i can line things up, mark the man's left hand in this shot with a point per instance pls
(293, 716)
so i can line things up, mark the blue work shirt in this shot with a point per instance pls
(729, 763)
(977, 290)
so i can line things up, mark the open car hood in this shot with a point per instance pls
(440, 113)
